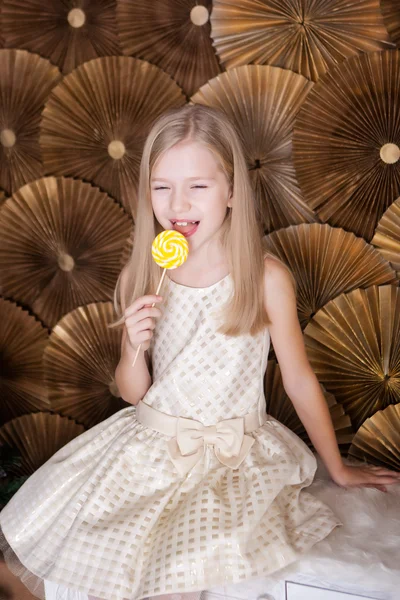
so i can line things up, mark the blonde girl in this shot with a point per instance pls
(193, 485)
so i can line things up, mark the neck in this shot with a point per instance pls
(201, 268)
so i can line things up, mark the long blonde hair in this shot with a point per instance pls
(241, 235)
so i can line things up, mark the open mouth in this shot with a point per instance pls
(187, 228)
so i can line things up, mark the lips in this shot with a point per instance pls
(186, 227)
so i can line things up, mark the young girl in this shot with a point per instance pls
(194, 485)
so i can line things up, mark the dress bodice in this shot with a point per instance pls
(198, 372)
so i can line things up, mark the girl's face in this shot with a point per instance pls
(190, 193)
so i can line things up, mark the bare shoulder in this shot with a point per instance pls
(276, 274)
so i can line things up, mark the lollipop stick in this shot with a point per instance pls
(152, 306)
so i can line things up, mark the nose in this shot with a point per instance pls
(179, 202)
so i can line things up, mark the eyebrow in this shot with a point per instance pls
(188, 178)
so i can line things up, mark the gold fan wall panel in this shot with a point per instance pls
(353, 345)
(68, 32)
(308, 37)
(346, 142)
(95, 123)
(22, 343)
(279, 406)
(327, 262)
(80, 361)
(38, 437)
(164, 33)
(387, 235)
(378, 439)
(127, 251)
(26, 81)
(391, 16)
(262, 103)
(61, 246)
(3, 197)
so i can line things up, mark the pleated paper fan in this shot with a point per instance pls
(280, 407)
(80, 362)
(353, 345)
(68, 32)
(347, 142)
(262, 103)
(378, 439)
(391, 16)
(37, 437)
(327, 262)
(25, 83)
(387, 235)
(307, 36)
(22, 343)
(3, 197)
(172, 34)
(96, 121)
(61, 246)
(127, 251)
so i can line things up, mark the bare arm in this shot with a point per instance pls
(132, 383)
(298, 378)
(302, 386)
(140, 321)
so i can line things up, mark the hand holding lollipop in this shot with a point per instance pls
(170, 250)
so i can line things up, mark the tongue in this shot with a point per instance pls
(185, 228)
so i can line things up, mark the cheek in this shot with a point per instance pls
(157, 206)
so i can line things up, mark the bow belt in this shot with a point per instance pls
(190, 437)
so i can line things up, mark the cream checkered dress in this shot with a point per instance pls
(115, 515)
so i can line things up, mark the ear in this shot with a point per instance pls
(229, 203)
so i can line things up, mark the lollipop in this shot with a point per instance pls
(170, 250)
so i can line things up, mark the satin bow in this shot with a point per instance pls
(231, 444)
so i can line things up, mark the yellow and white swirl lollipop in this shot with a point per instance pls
(170, 250)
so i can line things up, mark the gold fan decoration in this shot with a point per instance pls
(387, 235)
(25, 83)
(60, 246)
(353, 345)
(262, 103)
(68, 32)
(80, 362)
(127, 251)
(174, 35)
(3, 197)
(281, 408)
(347, 142)
(96, 121)
(378, 439)
(22, 343)
(391, 16)
(327, 262)
(37, 437)
(308, 36)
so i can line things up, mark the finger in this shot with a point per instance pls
(383, 470)
(143, 336)
(138, 317)
(381, 488)
(141, 303)
(143, 313)
(145, 324)
(382, 479)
